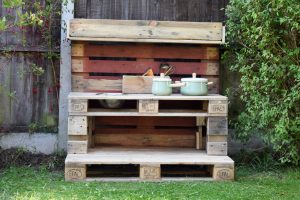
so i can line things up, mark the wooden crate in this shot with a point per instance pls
(99, 67)
(150, 162)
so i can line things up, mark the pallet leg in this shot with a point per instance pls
(150, 172)
(223, 172)
(75, 172)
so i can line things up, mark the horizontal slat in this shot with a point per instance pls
(146, 121)
(139, 67)
(96, 84)
(145, 137)
(163, 113)
(146, 30)
(145, 51)
(147, 156)
(85, 83)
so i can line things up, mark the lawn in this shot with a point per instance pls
(27, 183)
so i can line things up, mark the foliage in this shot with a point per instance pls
(264, 37)
(26, 183)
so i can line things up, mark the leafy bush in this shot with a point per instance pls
(264, 48)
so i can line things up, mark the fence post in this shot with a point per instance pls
(65, 73)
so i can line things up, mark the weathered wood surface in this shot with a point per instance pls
(145, 31)
(24, 97)
(171, 10)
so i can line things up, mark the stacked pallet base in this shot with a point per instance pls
(155, 153)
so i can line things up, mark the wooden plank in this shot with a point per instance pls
(145, 51)
(150, 172)
(77, 125)
(77, 147)
(78, 105)
(217, 126)
(145, 137)
(133, 113)
(148, 106)
(147, 156)
(85, 83)
(87, 39)
(140, 66)
(5, 88)
(199, 139)
(75, 172)
(96, 84)
(137, 84)
(223, 172)
(217, 148)
(218, 106)
(204, 32)
(92, 95)
(146, 121)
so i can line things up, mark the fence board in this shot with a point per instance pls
(164, 10)
(32, 99)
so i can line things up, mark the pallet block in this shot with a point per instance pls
(77, 147)
(218, 106)
(148, 106)
(223, 172)
(217, 148)
(78, 105)
(150, 172)
(75, 172)
(77, 125)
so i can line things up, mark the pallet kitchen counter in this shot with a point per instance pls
(148, 105)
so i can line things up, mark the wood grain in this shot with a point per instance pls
(145, 51)
(163, 31)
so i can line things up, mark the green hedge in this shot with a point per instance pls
(263, 42)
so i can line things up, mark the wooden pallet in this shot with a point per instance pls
(150, 164)
(87, 129)
(99, 67)
(148, 105)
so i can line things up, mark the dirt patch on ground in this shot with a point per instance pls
(21, 158)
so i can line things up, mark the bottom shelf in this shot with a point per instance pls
(145, 164)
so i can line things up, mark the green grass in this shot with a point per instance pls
(27, 183)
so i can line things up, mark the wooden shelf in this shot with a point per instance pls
(120, 96)
(146, 31)
(115, 155)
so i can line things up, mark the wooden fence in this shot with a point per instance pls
(29, 100)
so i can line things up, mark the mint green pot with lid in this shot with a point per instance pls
(194, 86)
(162, 86)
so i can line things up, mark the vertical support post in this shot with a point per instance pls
(65, 73)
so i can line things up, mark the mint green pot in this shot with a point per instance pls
(162, 86)
(194, 86)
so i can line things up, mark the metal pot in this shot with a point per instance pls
(162, 86)
(194, 86)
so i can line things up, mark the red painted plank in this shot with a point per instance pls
(140, 66)
(152, 51)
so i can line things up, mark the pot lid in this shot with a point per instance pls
(162, 77)
(194, 79)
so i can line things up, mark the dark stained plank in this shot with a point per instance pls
(164, 10)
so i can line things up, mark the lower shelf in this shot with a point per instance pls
(147, 164)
